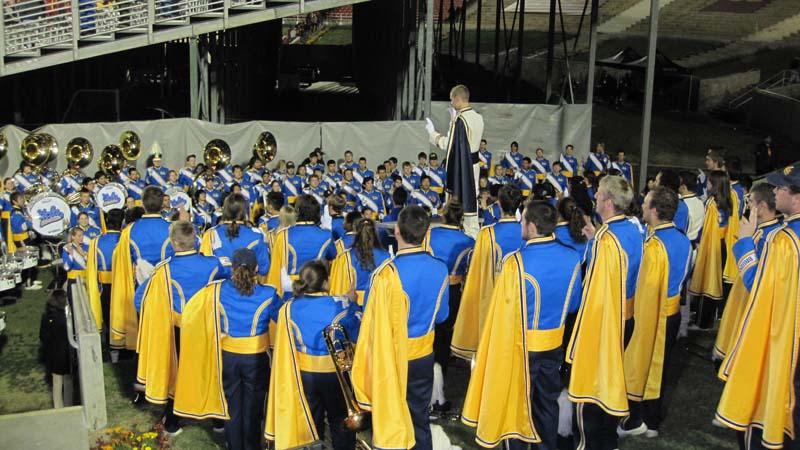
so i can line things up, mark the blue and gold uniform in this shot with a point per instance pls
(681, 219)
(438, 176)
(161, 300)
(559, 183)
(144, 242)
(295, 246)
(493, 244)
(597, 163)
(521, 352)
(157, 176)
(318, 193)
(709, 265)
(71, 183)
(73, 261)
(372, 201)
(393, 364)
(427, 199)
(345, 242)
(214, 198)
(135, 190)
(91, 210)
(667, 255)
(20, 229)
(454, 247)
(485, 161)
(268, 223)
(526, 181)
(216, 242)
(292, 187)
(225, 339)
(569, 165)
(90, 233)
(512, 161)
(563, 235)
(411, 182)
(98, 275)
(25, 182)
(737, 188)
(359, 174)
(625, 169)
(337, 227)
(541, 167)
(351, 190)
(331, 181)
(348, 272)
(491, 214)
(747, 251)
(304, 388)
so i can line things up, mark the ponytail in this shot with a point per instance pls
(244, 280)
(569, 211)
(366, 240)
(310, 279)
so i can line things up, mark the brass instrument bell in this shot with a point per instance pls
(38, 149)
(3, 145)
(266, 147)
(217, 154)
(79, 152)
(130, 145)
(111, 159)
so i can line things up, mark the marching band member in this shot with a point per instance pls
(624, 167)
(269, 221)
(292, 185)
(484, 159)
(557, 179)
(350, 188)
(499, 177)
(671, 180)
(693, 203)
(166, 208)
(172, 181)
(421, 168)
(541, 165)
(362, 172)
(437, 174)
(393, 365)
(256, 172)
(513, 159)
(203, 212)
(332, 178)
(298, 244)
(425, 197)
(448, 243)
(515, 384)
(89, 232)
(597, 161)
(21, 231)
(85, 205)
(135, 186)
(160, 300)
(244, 183)
(370, 199)
(26, 179)
(346, 241)
(382, 182)
(336, 204)
(665, 264)
(596, 347)
(186, 175)
(72, 181)
(747, 251)
(98, 272)
(213, 195)
(234, 232)
(156, 175)
(707, 276)
(101, 179)
(493, 244)
(5, 212)
(142, 245)
(569, 163)
(410, 179)
(399, 199)
(348, 162)
(73, 256)
(569, 229)
(352, 268)
(759, 398)
(304, 389)
(315, 190)
(526, 177)
(493, 213)
(314, 163)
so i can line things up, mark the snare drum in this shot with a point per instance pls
(49, 214)
(111, 196)
(178, 197)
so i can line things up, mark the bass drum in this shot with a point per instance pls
(49, 214)
(111, 196)
(178, 197)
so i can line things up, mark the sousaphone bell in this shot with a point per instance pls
(266, 147)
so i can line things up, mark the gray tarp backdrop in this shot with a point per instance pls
(548, 126)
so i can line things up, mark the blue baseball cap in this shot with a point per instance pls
(788, 176)
(244, 257)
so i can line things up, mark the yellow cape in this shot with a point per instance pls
(731, 271)
(124, 323)
(707, 276)
(380, 366)
(92, 284)
(476, 295)
(12, 246)
(278, 259)
(205, 244)
(158, 362)
(498, 397)
(760, 367)
(596, 347)
(644, 357)
(198, 390)
(343, 276)
(289, 422)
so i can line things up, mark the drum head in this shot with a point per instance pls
(111, 196)
(48, 213)
(178, 197)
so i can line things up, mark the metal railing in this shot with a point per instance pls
(781, 78)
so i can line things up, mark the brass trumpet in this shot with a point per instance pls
(342, 352)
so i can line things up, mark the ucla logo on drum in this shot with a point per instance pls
(177, 201)
(48, 216)
(110, 198)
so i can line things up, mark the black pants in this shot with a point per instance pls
(650, 411)
(245, 378)
(325, 399)
(629, 326)
(171, 421)
(418, 396)
(597, 430)
(544, 368)
(444, 330)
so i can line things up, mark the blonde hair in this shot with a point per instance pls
(617, 190)
(287, 216)
(182, 233)
(460, 91)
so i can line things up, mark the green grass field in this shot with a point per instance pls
(692, 394)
